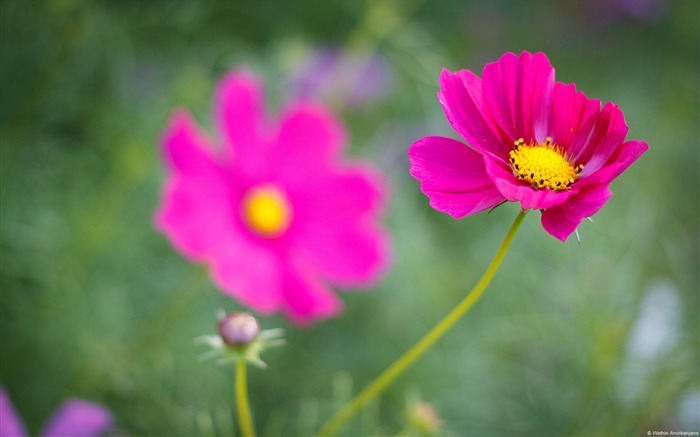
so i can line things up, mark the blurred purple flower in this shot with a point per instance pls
(348, 78)
(611, 12)
(74, 417)
(643, 10)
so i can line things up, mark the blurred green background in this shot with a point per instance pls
(597, 338)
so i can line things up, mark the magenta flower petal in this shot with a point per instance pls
(239, 113)
(308, 136)
(279, 213)
(610, 126)
(183, 218)
(453, 176)
(187, 150)
(365, 190)
(462, 100)
(624, 157)
(515, 190)
(249, 272)
(518, 91)
(562, 220)
(196, 193)
(307, 298)
(541, 143)
(346, 251)
(348, 257)
(10, 423)
(78, 418)
(591, 193)
(605, 148)
(573, 111)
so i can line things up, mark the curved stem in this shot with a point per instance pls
(400, 365)
(244, 418)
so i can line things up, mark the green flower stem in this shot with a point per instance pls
(244, 418)
(400, 365)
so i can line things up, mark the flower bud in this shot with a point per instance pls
(425, 418)
(238, 329)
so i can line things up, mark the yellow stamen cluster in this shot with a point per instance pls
(266, 211)
(543, 166)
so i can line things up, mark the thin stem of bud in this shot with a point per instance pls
(244, 418)
(400, 365)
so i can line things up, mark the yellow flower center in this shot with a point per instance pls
(266, 211)
(543, 166)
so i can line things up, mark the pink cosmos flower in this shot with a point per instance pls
(530, 140)
(74, 417)
(274, 212)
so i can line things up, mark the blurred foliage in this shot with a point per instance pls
(96, 304)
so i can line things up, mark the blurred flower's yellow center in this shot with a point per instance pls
(266, 211)
(543, 166)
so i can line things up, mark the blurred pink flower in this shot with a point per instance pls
(276, 215)
(74, 417)
(531, 140)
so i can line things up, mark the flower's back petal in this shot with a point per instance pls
(627, 155)
(309, 137)
(453, 176)
(562, 220)
(515, 190)
(570, 112)
(336, 229)
(251, 273)
(10, 422)
(78, 418)
(607, 146)
(239, 112)
(306, 298)
(517, 91)
(462, 100)
(609, 120)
